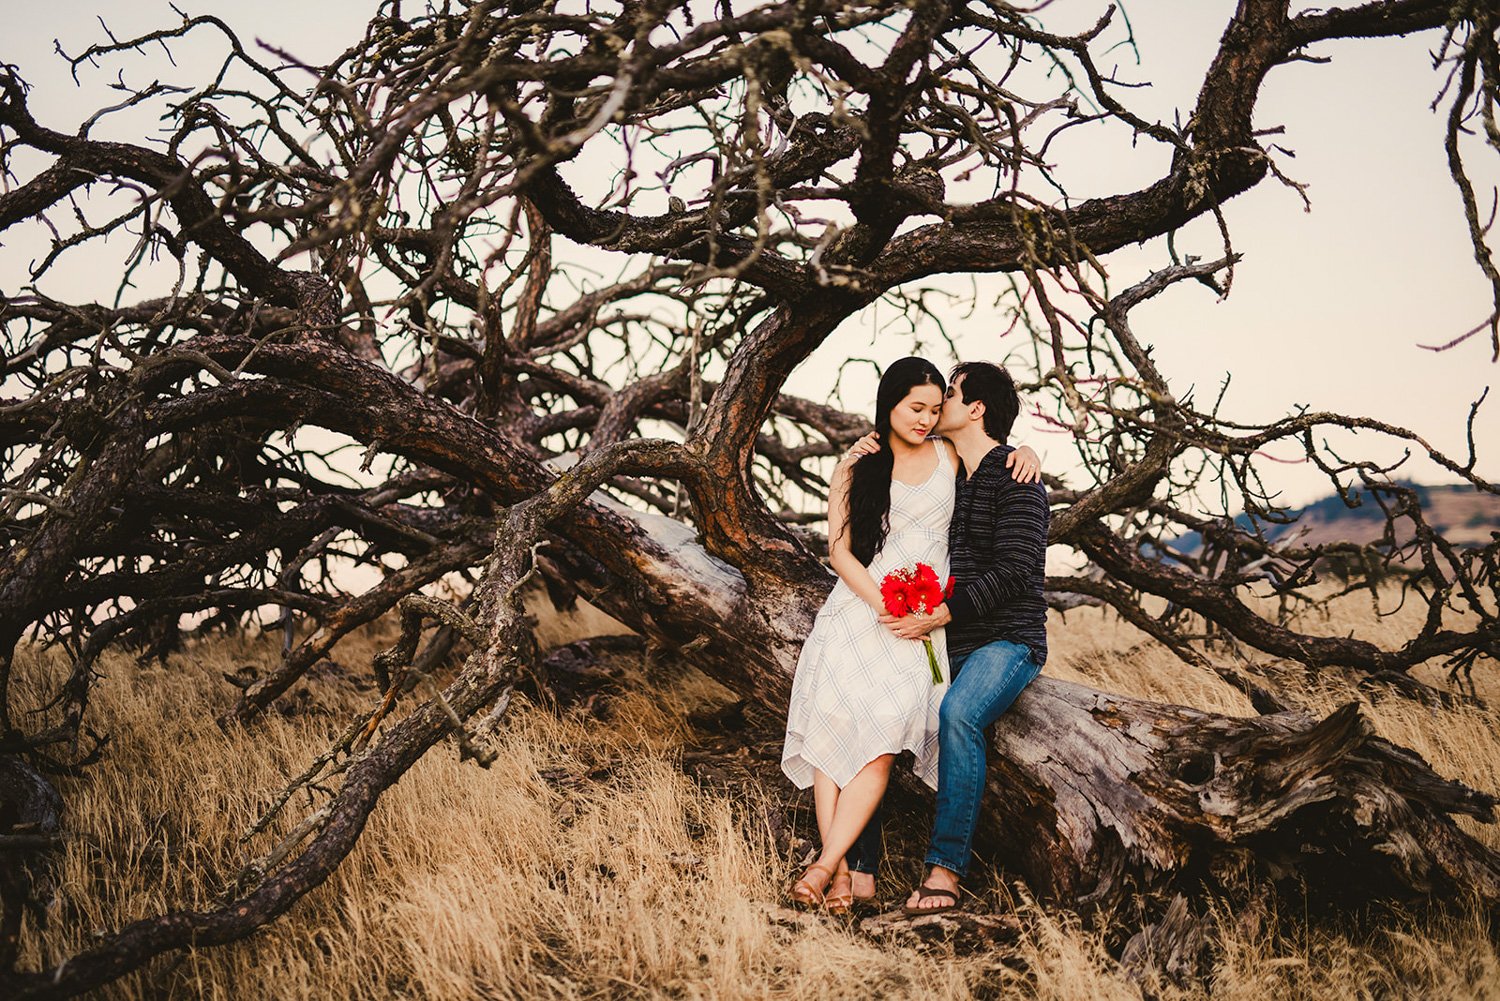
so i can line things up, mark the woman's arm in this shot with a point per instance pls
(850, 570)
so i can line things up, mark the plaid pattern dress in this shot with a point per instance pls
(859, 692)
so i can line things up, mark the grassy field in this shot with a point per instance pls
(587, 864)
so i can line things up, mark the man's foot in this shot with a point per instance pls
(938, 893)
(863, 884)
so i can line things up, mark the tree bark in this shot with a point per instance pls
(1096, 795)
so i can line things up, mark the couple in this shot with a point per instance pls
(966, 504)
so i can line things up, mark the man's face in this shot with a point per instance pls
(955, 413)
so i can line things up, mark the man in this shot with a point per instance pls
(996, 619)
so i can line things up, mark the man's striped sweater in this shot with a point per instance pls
(997, 547)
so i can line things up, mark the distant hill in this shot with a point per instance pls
(1461, 514)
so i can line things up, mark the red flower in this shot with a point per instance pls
(925, 593)
(928, 596)
(895, 603)
(893, 591)
(915, 589)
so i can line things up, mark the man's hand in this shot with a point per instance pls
(916, 627)
(1024, 465)
(868, 445)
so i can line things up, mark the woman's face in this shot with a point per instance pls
(917, 413)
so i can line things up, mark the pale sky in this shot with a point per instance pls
(1328, 307)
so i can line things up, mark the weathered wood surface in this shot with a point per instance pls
(1094, 795)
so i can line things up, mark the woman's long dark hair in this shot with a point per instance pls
(870, 488)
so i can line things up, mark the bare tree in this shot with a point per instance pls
(399, 251)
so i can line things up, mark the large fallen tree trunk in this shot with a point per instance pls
(1094, 795)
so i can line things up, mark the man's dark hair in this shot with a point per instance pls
(987, 383)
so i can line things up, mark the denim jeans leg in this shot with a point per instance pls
(991, 678)
(865, 855)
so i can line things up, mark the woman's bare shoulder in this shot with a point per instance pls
(948, 448)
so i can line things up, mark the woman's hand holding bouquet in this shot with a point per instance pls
(916, 589)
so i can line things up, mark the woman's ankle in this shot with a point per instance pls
(833, 865)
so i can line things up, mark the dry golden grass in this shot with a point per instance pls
(584, 864)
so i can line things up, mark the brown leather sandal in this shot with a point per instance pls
(839, 901)
(803, 893)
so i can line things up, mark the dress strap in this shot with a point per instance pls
(942, 454)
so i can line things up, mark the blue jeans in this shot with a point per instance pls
(865, 855)
(985, 682)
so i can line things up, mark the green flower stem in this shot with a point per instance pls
(937, 672)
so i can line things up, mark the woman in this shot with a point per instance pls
(861, 695)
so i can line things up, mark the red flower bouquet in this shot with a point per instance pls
(916, 589)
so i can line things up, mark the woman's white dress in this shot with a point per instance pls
(859, 691)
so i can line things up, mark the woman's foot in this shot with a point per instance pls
(840, 896)
(808, 890)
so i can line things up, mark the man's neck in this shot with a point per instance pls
(972, 447)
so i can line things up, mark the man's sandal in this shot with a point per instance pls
(840, 901)
(926, 893)
(804, 893)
